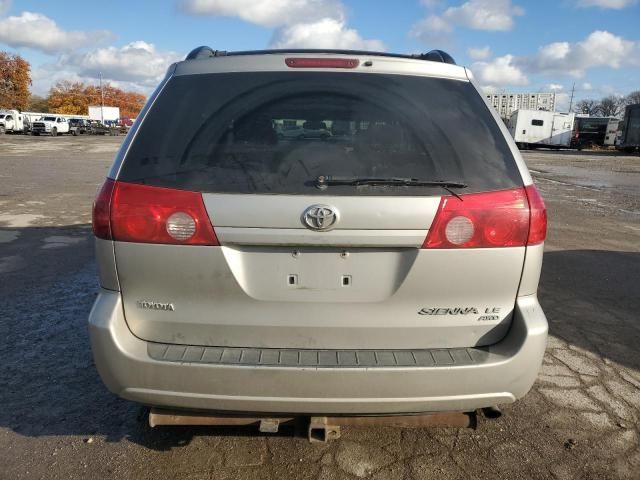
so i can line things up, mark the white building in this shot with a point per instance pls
(507, 103)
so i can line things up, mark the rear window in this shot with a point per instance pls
(276, 133)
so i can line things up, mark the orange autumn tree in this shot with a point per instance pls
(69, 98)
(74, 98)
(15, 80)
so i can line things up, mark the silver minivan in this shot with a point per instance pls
(388, 267)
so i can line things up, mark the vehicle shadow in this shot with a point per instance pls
(51, 386)
(591, 301)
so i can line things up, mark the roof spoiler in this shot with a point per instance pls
(432, 56)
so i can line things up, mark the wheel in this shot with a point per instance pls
(54, 132)
(74, 133)
(2, 131)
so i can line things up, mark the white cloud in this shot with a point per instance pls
(271, 13)
(484, 14)
(44, 77)
(599, 49)
(613, 4)
(490, 15)
(431, 29)
(325, 33)
(300, 23)
(554, 87)
(137, 62)
(499, 72)
(37, 31)
(587, 86)
(480, 53)
(490, 89)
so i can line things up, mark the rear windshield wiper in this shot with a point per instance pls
(322, 182)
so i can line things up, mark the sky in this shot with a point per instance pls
(521, 46)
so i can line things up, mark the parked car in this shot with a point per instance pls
(315, 129)
(79, 126)
(50, 124)
(392, 272)
(97, 128)
(291, 132)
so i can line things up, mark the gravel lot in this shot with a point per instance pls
(58, 421)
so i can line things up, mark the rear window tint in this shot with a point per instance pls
(277, 132)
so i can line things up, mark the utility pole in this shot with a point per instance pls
(101, 101)
(571, 101)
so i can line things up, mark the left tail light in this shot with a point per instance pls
(128, 212)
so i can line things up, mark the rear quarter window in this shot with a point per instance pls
(276, 132)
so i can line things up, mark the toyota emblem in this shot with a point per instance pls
(320, 217)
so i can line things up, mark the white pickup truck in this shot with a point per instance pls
(50, 125)
(12, 121)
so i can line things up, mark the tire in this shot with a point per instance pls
(2, 131)
(54, 132)
(74, 133)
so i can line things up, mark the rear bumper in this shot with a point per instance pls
(506, 373)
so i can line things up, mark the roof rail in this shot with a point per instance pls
(438, 56)
(204, 52)
(432, 56)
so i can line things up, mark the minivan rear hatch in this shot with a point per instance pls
(301, 262)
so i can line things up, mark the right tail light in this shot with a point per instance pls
(504, 218)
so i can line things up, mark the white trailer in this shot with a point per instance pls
(612, 132)
(104, 114)
(12, 121)
(33, 116)
(538, 128)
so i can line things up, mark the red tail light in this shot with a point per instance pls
(128, 212)
(538, 223)
(298, 62)
(101, 210)
(487, 220)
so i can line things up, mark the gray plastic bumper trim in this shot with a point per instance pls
(316, 358)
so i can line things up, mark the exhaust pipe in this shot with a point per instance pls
(492, 412)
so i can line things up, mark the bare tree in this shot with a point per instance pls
(588, 106)
(632, 98)
(610, 106)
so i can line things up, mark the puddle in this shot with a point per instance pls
(7, 236)
(11, 264)
(59, 241)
